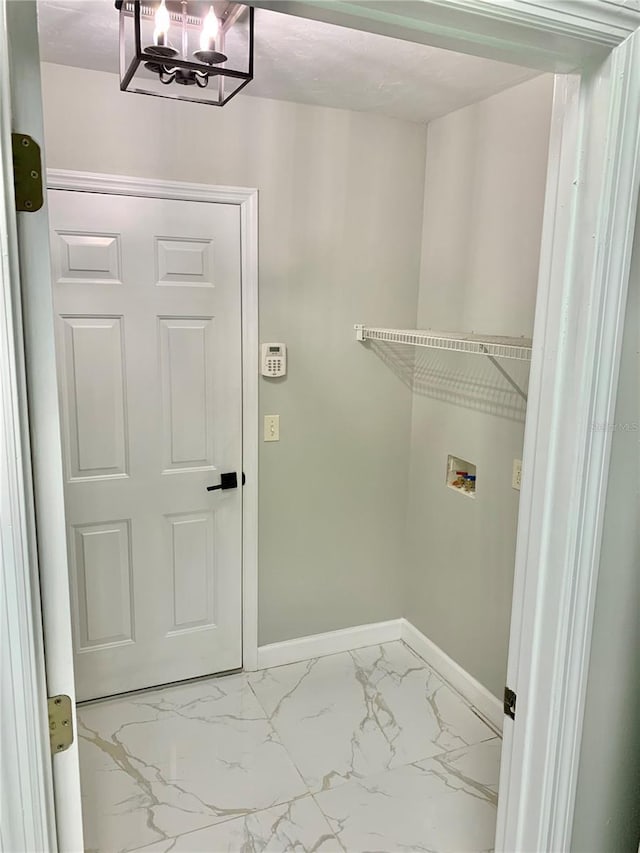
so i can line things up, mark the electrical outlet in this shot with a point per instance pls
(272, 427)
(516, 478)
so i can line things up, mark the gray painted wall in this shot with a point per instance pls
(341, 197)
(341, 211)
(607, 816)
(484, 194)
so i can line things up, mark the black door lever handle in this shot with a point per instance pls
(227, 481)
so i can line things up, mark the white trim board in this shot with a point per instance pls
(246, 198)
(26, 790)
(552, 35)
(349, 639)
(321, 645)
(98, 182)
(476, 694)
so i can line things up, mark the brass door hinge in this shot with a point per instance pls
(60, 723)
(510, 703)
(27, 173)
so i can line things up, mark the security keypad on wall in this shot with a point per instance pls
(274, 360)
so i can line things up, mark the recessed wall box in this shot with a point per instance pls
(461, 476)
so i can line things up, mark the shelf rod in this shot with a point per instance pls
(518, 349)
(502, 347)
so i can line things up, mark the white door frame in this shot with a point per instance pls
(27, 810)
(246, 199)
(587, 238)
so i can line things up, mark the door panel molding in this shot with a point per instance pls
(187, 443)
(104, 594)
(246, 199)
(96, 438)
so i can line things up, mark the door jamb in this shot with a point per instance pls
(246, 199)
(26, 783)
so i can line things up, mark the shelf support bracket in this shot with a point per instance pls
(501, 370)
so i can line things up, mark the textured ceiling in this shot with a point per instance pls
(305, 61)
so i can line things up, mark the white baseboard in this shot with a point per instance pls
(319, 645)
(347, 639)
(484, 702)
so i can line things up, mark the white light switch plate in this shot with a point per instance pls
(516, 477)
(272, 427)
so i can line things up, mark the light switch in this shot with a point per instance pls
(272, 427)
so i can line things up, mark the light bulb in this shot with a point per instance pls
(162, 24)
(209, 31)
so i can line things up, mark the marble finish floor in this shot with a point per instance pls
(362, 751)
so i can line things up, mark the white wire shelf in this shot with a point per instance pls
(491, 345)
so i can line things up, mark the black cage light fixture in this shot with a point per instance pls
(187, 50)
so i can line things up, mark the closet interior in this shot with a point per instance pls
(400, 204)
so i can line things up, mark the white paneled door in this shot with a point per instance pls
(147, 299)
